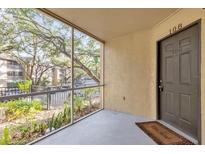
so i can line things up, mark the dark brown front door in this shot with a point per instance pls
(179, 80)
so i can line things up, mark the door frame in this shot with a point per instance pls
(158, 116)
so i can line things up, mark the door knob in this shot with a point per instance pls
(160, 88)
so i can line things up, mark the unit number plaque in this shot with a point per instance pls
(175, 28)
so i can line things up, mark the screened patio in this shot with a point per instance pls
(84, 76)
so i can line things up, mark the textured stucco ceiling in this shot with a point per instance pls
(110, 23)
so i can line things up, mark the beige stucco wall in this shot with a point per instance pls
(127, 70)
(130, 67)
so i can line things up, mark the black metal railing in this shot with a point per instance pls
(51, 96)
(7, 91)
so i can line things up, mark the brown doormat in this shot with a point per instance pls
(161, 134)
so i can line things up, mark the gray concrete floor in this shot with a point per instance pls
(102, 128)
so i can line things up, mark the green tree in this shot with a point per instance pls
(40, 43)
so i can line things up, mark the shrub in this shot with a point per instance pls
(66, 113)
(37, 104)
(30, 129)
(51, 122)
(58, 121)
(78, 104)
(61, 118)
(6, 138)
(24, 85)
(43, 127)
(21, 107)
(34, 127)
(25, 131)
(16, 109)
